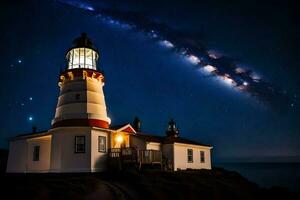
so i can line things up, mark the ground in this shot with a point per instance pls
(148, 184)
(132, 184)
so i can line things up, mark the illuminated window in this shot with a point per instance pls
(36, 153)
(79, 144)
(102, 144)
(89, 58)
(202, 156)
(190, 155)
(82, 58)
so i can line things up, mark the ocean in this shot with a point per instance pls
(268, 174)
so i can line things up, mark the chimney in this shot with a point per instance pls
(137, 124)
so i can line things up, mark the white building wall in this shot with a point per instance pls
(43, 164)
(17, 156)
(20, 158)
(181, 157)
(153, 146)
(99, 159)
(63, 157)
(57, 152)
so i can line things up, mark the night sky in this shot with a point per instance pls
(146, 80)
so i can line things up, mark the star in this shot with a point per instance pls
(30, 98)
(30, 118)
(19, 61)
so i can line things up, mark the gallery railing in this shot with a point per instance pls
(130, 154)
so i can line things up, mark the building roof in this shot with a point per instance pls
(168, 140)
(151, 138)
(30, 135)
(171, 140)
(156, 138)
(83, 41)
(123, 127)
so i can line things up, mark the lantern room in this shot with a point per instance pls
(83, 54)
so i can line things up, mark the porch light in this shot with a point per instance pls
(119, 138)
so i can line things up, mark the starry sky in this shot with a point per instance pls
(145, 80)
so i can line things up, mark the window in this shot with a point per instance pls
(202, 157)
(36, 153)
(79, 144)
(190, 155)
(102, 144)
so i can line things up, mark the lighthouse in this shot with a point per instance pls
(81, 137)
(80, 134)
(81, 100)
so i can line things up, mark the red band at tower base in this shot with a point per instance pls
(81, 122)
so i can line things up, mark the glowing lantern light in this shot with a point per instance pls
(119, 138)
(83, 54)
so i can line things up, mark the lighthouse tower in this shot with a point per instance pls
(80, 128)
(81, 100)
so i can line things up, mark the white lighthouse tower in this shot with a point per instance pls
(80, 128)
(81, 100)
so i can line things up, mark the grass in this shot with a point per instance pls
(147, 184)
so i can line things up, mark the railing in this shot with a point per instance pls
(114, 152)
(149, 156)
(135, 155)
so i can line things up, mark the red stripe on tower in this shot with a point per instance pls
(81, 122)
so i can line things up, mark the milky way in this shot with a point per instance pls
(188, 46)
